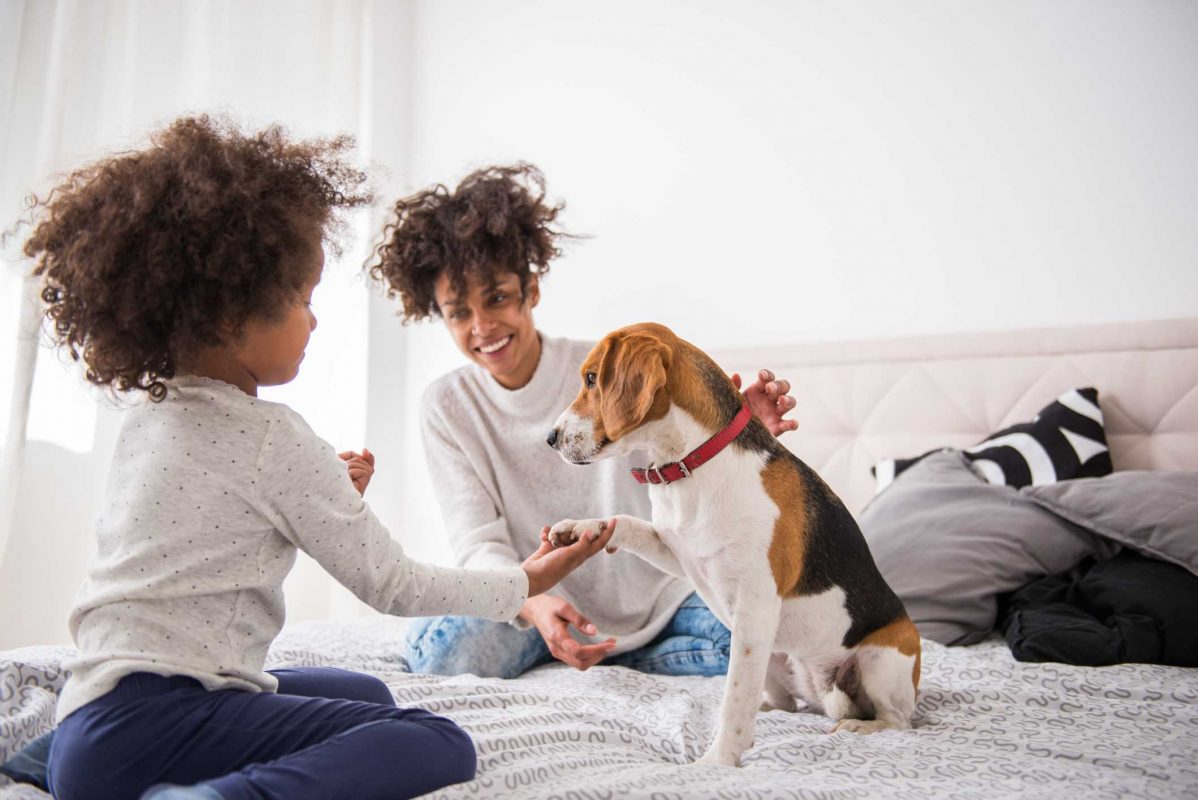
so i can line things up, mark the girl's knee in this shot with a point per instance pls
(370, 689)
(461, 759)
(432, 751)
(333, 683)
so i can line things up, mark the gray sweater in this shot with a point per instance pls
(211, 493)
(498, 483)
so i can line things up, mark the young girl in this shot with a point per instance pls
(185, 272)
(474, 257)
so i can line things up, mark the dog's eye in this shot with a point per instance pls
(590, 380)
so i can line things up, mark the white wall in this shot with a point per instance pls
(749, 172)
(779, 172)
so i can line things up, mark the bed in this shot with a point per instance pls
(986, 725)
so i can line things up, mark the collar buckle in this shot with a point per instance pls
(699, 456)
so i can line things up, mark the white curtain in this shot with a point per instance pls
(81, 78)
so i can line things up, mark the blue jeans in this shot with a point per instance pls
(328, 733)
(694, 642)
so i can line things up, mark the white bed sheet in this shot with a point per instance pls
(987, 726)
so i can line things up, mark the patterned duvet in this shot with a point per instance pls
(986, 727)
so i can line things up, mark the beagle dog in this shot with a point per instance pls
(771, 550)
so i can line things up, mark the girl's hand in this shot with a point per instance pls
(770, 400)
(549, 565)
(552, 617)
(360, 467)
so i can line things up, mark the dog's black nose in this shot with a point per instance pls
(552, 438)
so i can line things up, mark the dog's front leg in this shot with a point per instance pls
(632, 534)
(754, 626)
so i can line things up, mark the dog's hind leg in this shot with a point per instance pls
(780, 689)
(829, 689)
(886, 683)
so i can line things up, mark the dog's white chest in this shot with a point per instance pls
(719, 525)
(702, 557)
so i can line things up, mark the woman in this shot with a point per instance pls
(474, 257)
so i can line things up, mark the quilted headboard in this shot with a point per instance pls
(859, 402)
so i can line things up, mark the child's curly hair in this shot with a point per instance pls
(148, 254)
(496, 221)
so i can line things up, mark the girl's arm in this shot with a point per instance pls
(303, 488)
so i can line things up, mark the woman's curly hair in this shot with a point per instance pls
(146, 255)
(496, 221)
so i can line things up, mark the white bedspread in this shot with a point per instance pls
(986, 727)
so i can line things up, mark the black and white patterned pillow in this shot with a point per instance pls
(1065, 440)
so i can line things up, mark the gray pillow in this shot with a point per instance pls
(948, 543)
(1154, 513)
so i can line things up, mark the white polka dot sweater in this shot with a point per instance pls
(211, 493)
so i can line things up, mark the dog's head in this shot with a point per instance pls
(624, 386)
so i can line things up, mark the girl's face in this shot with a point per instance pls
(492, 324)
(272, 348)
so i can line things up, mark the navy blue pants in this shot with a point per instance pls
(328, 733)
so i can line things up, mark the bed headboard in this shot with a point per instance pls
(862, 401)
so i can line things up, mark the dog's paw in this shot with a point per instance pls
(776, 704)
(568, 531)
(864, 727)
(562, 533)
(718, 758)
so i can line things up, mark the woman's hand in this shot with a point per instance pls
(552, 617)
(549, 565)
(360, 467)
(770, 400)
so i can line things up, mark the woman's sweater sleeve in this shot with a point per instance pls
(305, 490)
(478, 531)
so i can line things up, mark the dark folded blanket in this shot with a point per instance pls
(1129, 608)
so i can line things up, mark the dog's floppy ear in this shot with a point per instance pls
(631, 374)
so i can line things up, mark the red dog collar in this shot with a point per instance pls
(677, 470)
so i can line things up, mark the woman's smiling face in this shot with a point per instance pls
(492, 324)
